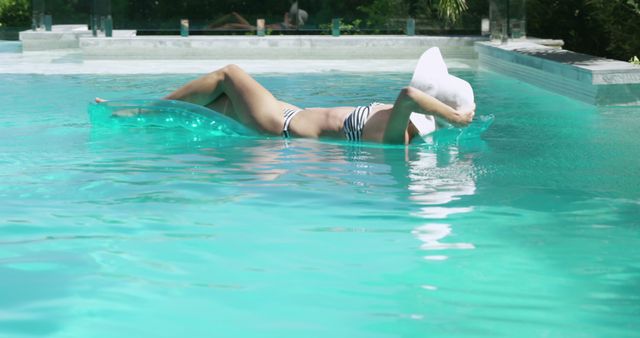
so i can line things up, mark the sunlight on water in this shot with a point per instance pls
(530, 230)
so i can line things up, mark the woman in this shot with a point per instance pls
(293, 19)
(233, 92)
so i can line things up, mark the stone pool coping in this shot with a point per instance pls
(126, 44)
(61, 37)
(276, 47)
(70, 61)
(591, 79)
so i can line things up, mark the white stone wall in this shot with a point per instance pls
(275, 47)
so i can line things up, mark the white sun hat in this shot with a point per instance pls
(432, 77)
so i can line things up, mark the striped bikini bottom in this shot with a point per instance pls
(354, 123)
(288, 116)
(352, 126)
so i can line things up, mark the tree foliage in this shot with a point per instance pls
(600, 27)
(15, 13)
(440, 14)
(607, 28)
(452, 9)
(164, 13)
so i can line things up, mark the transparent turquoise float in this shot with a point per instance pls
(165, 113)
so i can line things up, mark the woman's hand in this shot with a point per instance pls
(413, 100)
(464, 118)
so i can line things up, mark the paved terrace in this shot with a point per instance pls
(71, 49)
(127, 45)
(72, 61)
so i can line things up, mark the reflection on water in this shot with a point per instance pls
(431, 177)
(432, 233)
(438, 178)
(103, 231)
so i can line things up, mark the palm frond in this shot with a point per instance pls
(452, 9)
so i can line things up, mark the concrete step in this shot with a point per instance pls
(61, 37)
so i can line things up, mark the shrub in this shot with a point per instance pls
(15, 13)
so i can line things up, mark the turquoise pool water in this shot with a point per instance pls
(531, 230)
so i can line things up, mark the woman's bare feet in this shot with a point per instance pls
(122, 112)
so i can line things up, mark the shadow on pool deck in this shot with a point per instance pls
(563, 56)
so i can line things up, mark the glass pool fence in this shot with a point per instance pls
(211, 17)
(499, 18)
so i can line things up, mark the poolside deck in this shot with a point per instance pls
(588, 78)
(72, 61)
(277, 47)
(127, 45)
(74, 50)
(61, 37)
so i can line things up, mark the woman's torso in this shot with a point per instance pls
(325, 122)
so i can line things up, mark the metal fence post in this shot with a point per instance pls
(37, 14)
(94, 25)
(108, 26)
(411, 27)
(260, 27)
(48, 22)
(335, 27)
(184, 28)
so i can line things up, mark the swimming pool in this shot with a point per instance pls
(531, 230)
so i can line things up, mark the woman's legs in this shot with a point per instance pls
(232, 20)
(251, 103)
(224, 106)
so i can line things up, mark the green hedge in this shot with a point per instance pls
(609, 28)
(15, 13)
(379, 15)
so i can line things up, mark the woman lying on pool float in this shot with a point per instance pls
(233, 92)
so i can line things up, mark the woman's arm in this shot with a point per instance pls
(419, 102)
(392, 127)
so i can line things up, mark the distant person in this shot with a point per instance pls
(292, 19)
(295, 17)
